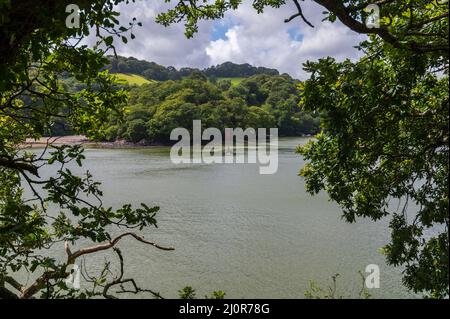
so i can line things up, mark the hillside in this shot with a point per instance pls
(259, 101)
(233, 70)
(153, 71)
(173, 98)
(133, 79)
(234, 80)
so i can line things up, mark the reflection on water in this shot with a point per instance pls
(251, 235)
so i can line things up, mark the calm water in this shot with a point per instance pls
(251, 235)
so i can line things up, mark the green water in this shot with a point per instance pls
(251, 235)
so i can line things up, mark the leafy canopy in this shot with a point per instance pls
(37, 50)
(259, 101)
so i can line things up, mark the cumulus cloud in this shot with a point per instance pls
(266, 40)
(153, 42)
(243, 36)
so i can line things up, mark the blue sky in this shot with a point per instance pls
(295, 34)
(242, 36)
(219, 30)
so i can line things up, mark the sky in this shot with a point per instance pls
(242, 36)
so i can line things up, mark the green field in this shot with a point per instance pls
(234, 81)
(132, 79)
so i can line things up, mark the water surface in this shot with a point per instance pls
(251, 235)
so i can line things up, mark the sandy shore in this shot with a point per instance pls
(58, 140)
(73, 140)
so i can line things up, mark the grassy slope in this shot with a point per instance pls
(234, 81)
(132, 79)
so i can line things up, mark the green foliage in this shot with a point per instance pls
(331, 292)
(402, 155)
(217, 295)
(227, 82)
(385, 139)
(45, 79)
(233, 70)
(189, 293)
(154, 71)
(136, 130)
(195, 11)
(148, 70)
(224, 84)
(258, 101)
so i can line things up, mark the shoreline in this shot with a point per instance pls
(80, 140)
(83, 140)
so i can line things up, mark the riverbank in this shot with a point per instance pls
(78, 140)
(87, 143)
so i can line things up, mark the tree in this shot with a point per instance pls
(137, 130)
(38, 50)
(230, 70)
(376, 151)
(384, 125)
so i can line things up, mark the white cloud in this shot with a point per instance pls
(266, 40)
(261, 40)
(153, 42)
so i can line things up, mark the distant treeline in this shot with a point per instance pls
(260, 101)
(261, 98)
(154, 71)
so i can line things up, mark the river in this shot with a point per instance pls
(250, 235)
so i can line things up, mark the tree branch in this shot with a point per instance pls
(41, 281)
(343, 14)
(6, 294)
(89, 250)
(18, 165)
(14, 283)
(120, 281)
(299, 14)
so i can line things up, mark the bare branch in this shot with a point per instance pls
(299, 14)
(14, 283)
(40, 283)
(121, 282)
(71, 258)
